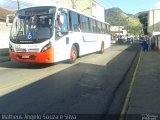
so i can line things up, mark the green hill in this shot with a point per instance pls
(116, 17)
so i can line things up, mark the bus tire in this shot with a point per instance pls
(73, 54)
(102, 48)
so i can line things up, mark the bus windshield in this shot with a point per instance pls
(33, 25)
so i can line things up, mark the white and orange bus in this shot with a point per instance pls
(48, 34)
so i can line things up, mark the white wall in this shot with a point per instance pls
(4, 38)
(154, 21)
(154, 25)
(98, 11)
(4, 35)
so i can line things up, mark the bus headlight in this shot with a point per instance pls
(46, 47)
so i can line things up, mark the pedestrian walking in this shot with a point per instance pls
(153, 43)
(144, 45)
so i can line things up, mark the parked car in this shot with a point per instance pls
(121, 41)
(113, 41)
(130, 40)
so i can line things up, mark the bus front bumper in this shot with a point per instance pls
(42, 57)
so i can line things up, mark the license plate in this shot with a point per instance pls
(25, 56)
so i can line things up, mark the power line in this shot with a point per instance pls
(16, 4)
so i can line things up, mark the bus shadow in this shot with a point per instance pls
(17, 65)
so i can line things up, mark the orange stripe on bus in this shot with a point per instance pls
(42, 57)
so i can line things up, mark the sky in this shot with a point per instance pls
(131, 6)
(128, 6)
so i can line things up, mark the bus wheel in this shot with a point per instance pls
(102, 48)
(73, 54)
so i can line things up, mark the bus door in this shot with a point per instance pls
(61, 36)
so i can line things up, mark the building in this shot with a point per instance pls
(119, 32)
(4, 30)
(154, 22)
(154, 25)
(88, 7)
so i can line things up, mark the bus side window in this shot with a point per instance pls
(64, 27)
(74, 21)
(61, 25)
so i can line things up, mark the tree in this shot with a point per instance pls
(143, 18)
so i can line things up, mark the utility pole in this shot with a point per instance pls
(18, 4)
(153, 19)
(118, 26)
(58, 2)
(73, 4)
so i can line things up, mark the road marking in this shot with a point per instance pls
(124, 108)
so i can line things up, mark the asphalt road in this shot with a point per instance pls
(95, 85)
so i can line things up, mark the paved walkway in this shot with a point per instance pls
(145, 98)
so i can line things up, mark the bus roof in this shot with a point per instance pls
(64, 7)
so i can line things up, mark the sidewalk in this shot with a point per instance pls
(145, 96)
